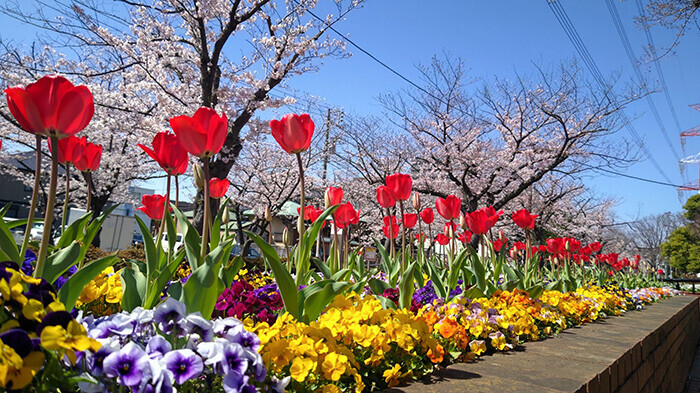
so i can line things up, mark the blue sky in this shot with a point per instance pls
(501, 38)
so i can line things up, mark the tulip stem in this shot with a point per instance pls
(346, 234)
(177, 191)
(430, 240)
(65, 199)
(403, 241)
(453, 243)
(336, 249)
(48, 215)
(391, 233)
(302, 226)
(207, 211)
(88, 179)
(35, 196)
(166, 205)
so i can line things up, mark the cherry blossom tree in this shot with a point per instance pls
(162, 58)
(678, 16)
(492, 145)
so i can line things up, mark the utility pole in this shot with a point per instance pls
(325, 146)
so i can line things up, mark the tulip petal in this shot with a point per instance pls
(25, 110)
(191, 136)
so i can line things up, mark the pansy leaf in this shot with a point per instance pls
(71, 289)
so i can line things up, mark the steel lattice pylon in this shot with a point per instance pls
(694, 159)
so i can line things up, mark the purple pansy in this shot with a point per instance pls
(184, 364)
(234, 382)
(127, 364)
(168, 314)
(157, 347)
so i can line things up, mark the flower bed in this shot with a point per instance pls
(382, 348)
(188, 316)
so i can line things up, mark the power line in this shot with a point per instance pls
(652, 49)
(598, 169)
(622, 33)
(582, 50)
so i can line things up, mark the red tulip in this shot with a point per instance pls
(308, 211)
(344, 215)
(480, 221)
(293, 132)
(524, 219)
(448, 225)
(521, 246)
(556, 245)
(400, 186)
(389, 220)
(391, 231)
(449, 208)
(51, 106)
(498, 244)
(90, 159)
(427, 215)
(660, 272)
(334, 196)
(311, 213)
(442, 239)
(218, 187)
(595, 246)
(70, 149)
(572, 244)
(410, 220)
(384, 197)
(356, 218)
(168, 153)
(465, 237)
(153, 206)
(203, 134)
(610, 273)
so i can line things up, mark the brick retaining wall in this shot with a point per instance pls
(660, 362)
(642, 351)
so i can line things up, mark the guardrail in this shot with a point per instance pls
(678, 282)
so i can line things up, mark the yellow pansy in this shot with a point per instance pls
(477, 346)
(301, 368)
(334, 366)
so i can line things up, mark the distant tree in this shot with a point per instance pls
(683, 246)
(647, 234)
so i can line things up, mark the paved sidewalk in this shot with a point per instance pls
(560, 364)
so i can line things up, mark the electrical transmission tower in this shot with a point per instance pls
(694, 159)
(695, 131)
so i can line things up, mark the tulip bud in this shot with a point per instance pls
(462, 222)
(300, 225)
(500, 235)
(225, 218)
(198, 176)
(451, 232)
(326, 200)
(268, 214)
(285, 236)
(416, 201)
